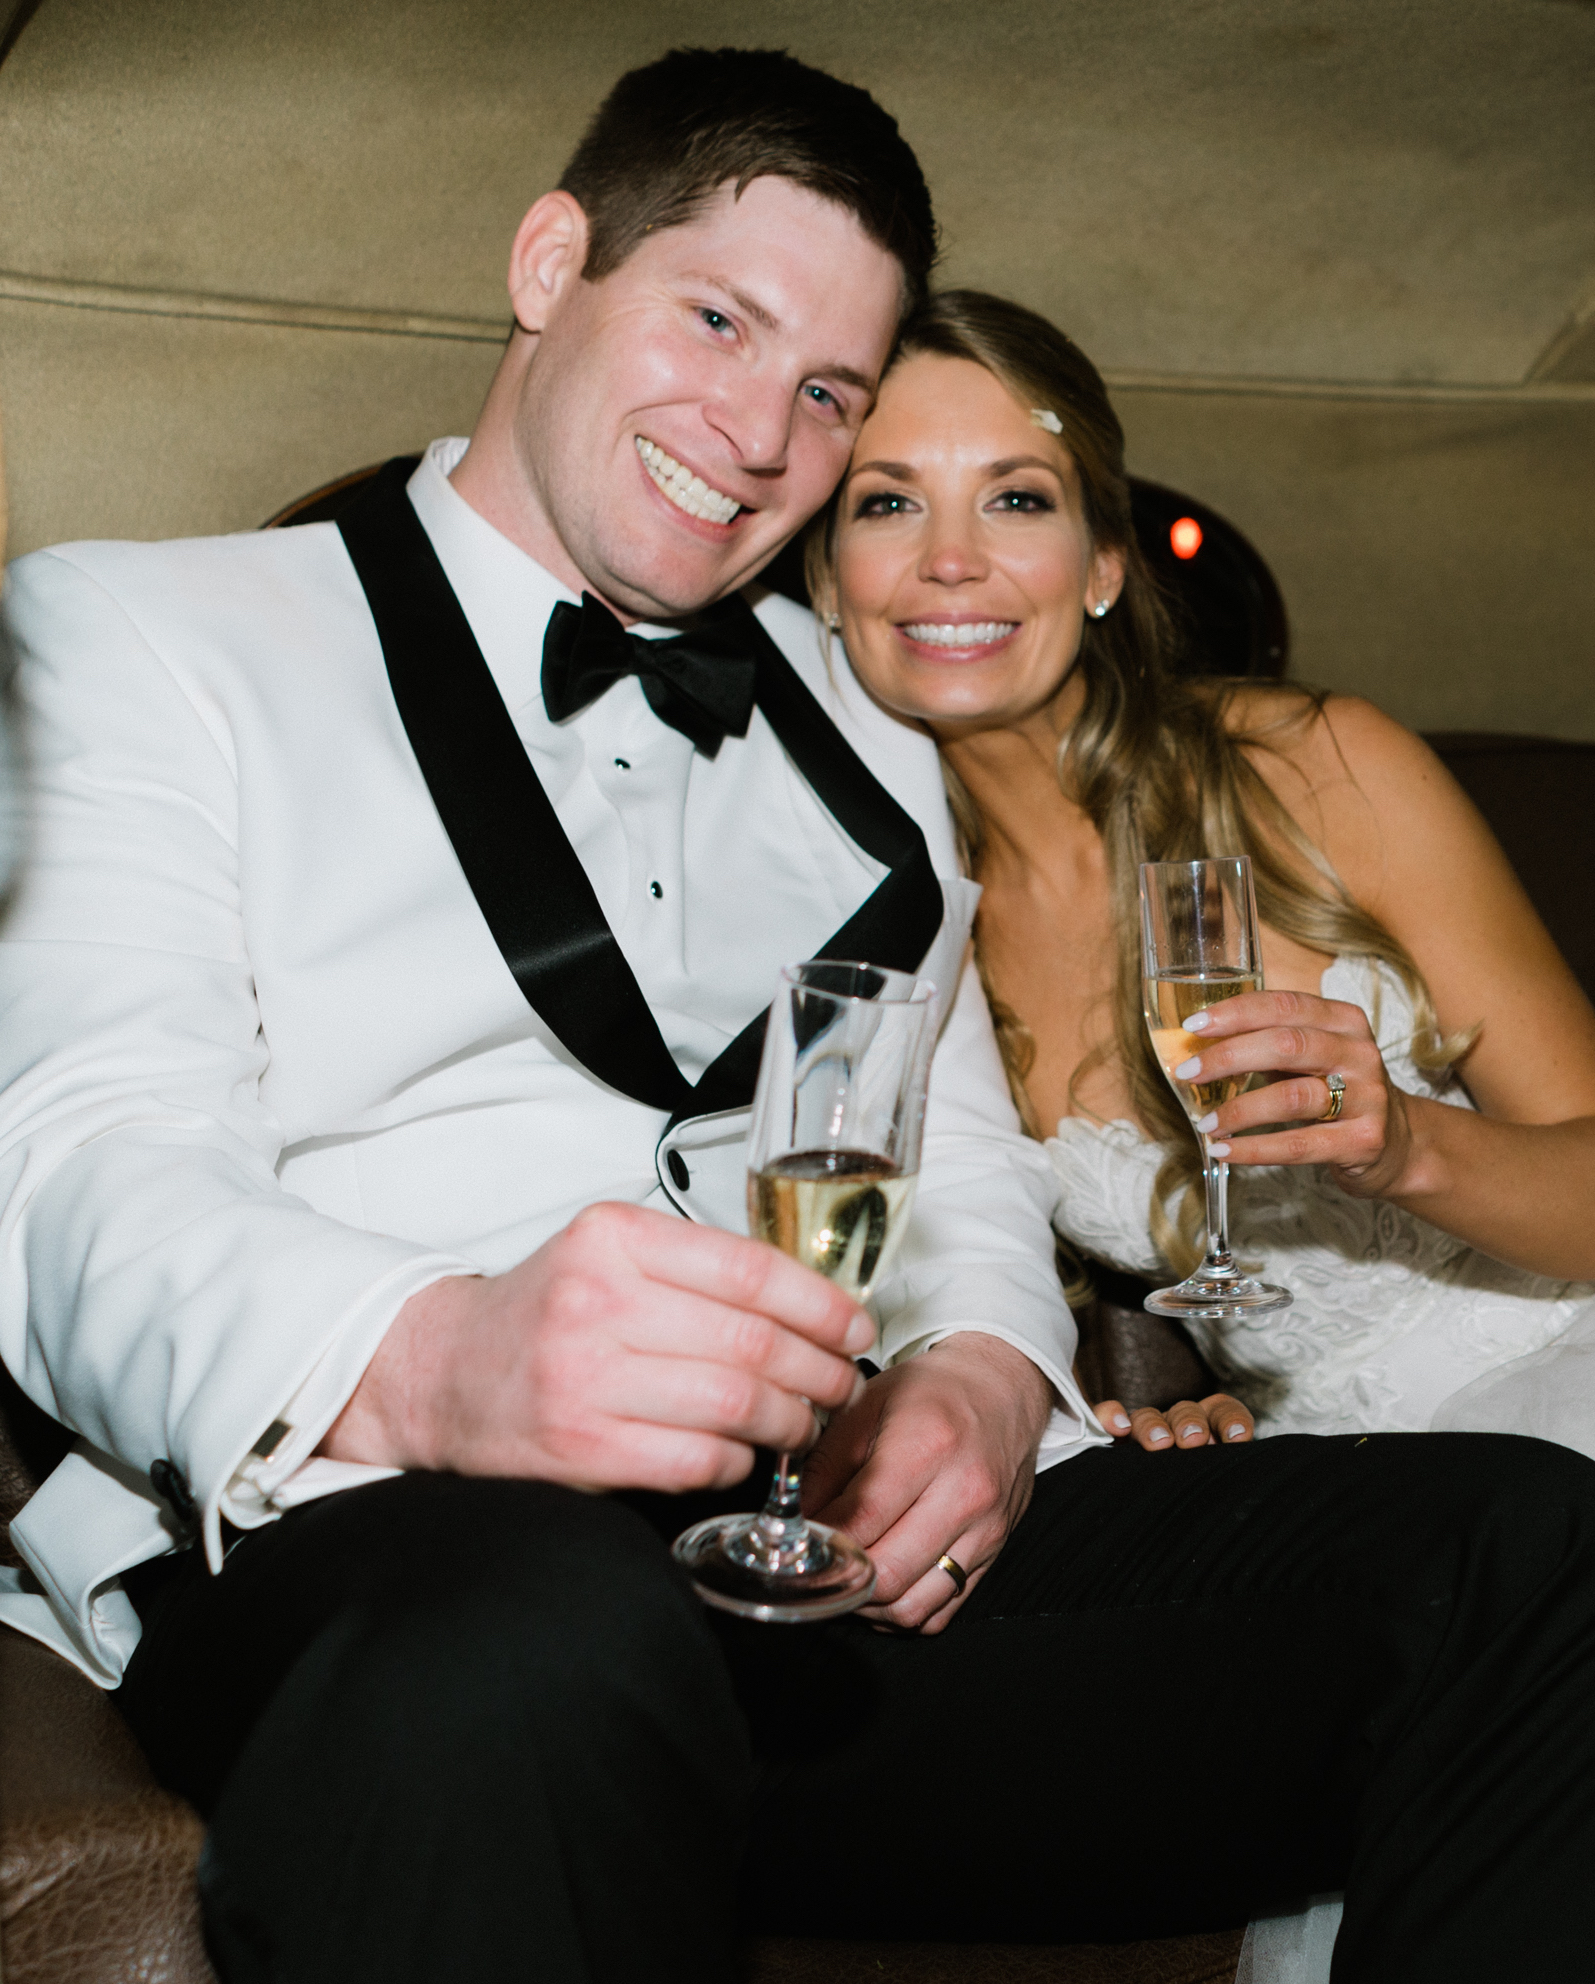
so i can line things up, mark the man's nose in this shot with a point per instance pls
(756, 420)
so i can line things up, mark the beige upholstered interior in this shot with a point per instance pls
(1338, 257)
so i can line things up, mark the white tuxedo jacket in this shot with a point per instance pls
(265, 1073)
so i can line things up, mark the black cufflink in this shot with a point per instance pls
(174, 1492)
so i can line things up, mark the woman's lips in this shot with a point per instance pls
(956, 640)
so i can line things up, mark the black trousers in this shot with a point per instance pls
(452, 1729)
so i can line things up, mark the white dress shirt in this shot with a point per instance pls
(267, 1075)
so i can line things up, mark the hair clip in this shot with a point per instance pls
(1043, 416)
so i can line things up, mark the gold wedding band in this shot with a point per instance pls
(956, 1572)
(1336, 1085)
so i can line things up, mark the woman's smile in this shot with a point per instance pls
(957, 640)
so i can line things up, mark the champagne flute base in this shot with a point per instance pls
(817, 1573)
(1216, 1298)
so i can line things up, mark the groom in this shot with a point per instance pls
(385, 988)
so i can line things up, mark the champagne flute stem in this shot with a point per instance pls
(1215, 1180)
(782, 1504)
(780, 1536)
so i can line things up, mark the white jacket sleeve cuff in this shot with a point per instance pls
(266, 1484)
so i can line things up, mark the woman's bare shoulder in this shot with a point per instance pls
(1335, 748)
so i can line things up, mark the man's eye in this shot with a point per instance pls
(717, 320)
(820, 396)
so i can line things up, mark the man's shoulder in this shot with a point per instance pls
(195, 594)
(823, 666)
(901, 756)
(175, 568)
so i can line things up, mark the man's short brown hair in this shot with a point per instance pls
(669, 135)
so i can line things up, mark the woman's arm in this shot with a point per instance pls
(1516, 1180)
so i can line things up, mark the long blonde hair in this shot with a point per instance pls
(1152, 759)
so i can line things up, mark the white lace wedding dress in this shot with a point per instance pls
(1395, 1327)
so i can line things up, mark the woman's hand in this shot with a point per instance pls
(1303, 1040)
(1217, 1421)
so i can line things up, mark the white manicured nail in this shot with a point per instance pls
(1187, 1431)
(1234, 1432)
(1159, 1437)
(1197, 1022)
(1218, 1150)
(1188, 1071)
(1208, 1122)
(1122, 1421)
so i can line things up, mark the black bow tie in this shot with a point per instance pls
(700, 683)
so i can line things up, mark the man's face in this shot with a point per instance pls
(685, 415)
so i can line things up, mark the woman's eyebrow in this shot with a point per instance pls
(898, 471)
(1011, 462)
(904, 472)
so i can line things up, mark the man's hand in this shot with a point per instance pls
(937, 1458)
(633, 1350)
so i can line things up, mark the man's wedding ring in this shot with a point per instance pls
(1336, 1085)
(956, 1572)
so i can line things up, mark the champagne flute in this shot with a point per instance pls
(833, 1159)
(1199, 945)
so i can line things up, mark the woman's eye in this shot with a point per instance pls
(883, 505)
(717, 320)
(1024, 502)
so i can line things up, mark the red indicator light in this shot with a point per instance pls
(1185, 536)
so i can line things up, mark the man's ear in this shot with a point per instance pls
(548, 255)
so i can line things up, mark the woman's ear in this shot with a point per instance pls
(548, 254)
(1105, 580)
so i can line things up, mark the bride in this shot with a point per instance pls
(1416, 1159)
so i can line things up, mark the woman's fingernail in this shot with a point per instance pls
(1208, 1122)
(1122, 1421)
(1159, 1437)
(1189, 1432)
(1188, 1071)
(1218, 1150)
(1197, 1022)
(1234, 1432)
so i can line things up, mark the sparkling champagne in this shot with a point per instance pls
(843, 1212)
(1168, 1000)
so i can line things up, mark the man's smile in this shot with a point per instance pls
(687, 491)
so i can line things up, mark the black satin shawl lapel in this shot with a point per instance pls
(522, 869)
(530, 886)
(896, 924)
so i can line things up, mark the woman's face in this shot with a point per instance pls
(964, 568)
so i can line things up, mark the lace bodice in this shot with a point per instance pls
(1391, 1316)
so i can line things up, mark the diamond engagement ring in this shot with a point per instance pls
(1336, 1085)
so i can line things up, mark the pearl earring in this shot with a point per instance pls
(1101, 607)
(834, 622)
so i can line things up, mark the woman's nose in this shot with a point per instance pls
(950, 558)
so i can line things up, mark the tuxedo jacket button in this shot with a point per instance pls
(676, 1165)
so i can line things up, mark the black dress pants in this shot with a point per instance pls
(461, 1729)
